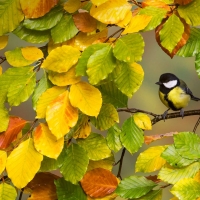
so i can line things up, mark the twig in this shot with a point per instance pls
(121, 29)
(135, 110)
(21, 193)
(196, 125)
(136, 3)
(120, 163)
(2, 59)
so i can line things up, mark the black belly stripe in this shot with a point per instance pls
(170, 103)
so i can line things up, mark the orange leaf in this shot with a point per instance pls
(99, 182)
(61, 115)
(150, 139)
(85, 22)
(37, 8)
(156, 3)
(43, 187)
(181, 43)
(153, 178)
(16, 124)
(182, 2)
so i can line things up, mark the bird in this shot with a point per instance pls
(174, 93)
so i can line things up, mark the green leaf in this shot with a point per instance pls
(172, 176)
(111, 94)
(81, 66)
(66, 190)
(16, 59)
(107, 117)
(100, 64)
(46, 22)
(96, 146)
(43, 85)
(174, 159)
(48, 164)
(197, 64)
(131, 136)
(21, 88)
(10, 11)
(186, 189)
(4, 119)
(158, 14)
(150, 159)
(129, 48)
(130, 78)
(171, 33)
(17, 90)
(190, 12)
(192, 47)
(134, 187)
(191, 149)
(75, 164)
(7, 192)
(64, 30)
(31, 36)
(113, 138)
(152, 195)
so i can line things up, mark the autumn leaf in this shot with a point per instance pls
(23, 163)
(61, 59)
(45, 142)
(38, 8)
(3, 41)
(142, 121)
(72, 6)
(42, 186)
(86, 97)
(16, 124)
(84, 22)
(99, 182)
(32, 53)
(61, 115)
(7, 191)
(3, 160)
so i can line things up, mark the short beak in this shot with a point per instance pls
(158, 83)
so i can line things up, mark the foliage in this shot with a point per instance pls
(74, 43)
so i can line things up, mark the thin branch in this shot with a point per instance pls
(196, 125)
(135, 110)
(2, 59)
(121, 29)
(120, 163)
(136, 3)
(21, 193)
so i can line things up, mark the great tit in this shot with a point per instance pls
(174, 93)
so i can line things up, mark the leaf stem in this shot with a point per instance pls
(121, 29)
(2, 59)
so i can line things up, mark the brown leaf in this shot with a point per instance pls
(15, 125)
(182, 2)
(150, 139)
(42, 187)
(153, 178)
(37, 8)
(85, 22)
(99, 182)
(181, 43)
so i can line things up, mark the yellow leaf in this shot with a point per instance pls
(23, 163)
(61, 59)
(126, 20)
(111, 12)
(137, 23)
(82, 40)
(3, 41)
(46, 98)
(1, 69)
(142, 121)
(32, 53)
(150, 160)
(61, 115)
(45, 142)
(175, 198)
(52, 46)
(86, 97)
(65, 78)
(72, 5)
(111, 196)
(98, 2)
(3, 159)
(197, 177)
(82, 128)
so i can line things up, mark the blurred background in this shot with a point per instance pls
(155, 62)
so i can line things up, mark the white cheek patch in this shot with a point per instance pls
(170, 84)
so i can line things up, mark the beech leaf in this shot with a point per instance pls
(3, 160)
(3, 41)
(7, 191)
(142, 121)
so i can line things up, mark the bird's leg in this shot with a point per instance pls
(165, 114)
(182, 113)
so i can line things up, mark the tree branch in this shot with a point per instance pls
(2, 59)
(121, 29)
(196, 125)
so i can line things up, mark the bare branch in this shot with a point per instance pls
(196, 125)
(2, 59)
(120, 163)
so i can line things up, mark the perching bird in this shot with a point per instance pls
(174, 93)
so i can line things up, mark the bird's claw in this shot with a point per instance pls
(165, 114)
(182, 113)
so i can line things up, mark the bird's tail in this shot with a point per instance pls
(195, 98)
